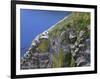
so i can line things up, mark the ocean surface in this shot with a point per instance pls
(34, 22)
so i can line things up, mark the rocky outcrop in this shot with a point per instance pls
(65, 45)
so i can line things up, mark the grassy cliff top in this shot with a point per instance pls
(77, 20)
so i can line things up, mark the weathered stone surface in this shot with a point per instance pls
(66, 46)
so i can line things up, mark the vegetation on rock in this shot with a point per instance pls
(67, 45)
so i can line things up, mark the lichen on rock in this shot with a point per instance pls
(67, 44)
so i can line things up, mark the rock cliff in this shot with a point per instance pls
(66, 44)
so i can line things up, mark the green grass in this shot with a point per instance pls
(43, 46)
(77, 20)
(80, 21)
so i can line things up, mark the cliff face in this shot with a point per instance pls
(67, 44)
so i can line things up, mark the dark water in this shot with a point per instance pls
(33, 22)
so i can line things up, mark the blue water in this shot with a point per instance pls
(33, 22)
